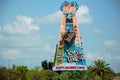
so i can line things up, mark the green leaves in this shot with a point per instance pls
(47, 65)
(100, 70)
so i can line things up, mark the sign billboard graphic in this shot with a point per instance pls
(69, 53)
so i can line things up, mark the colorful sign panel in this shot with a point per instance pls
(69, 53)
(70, 60)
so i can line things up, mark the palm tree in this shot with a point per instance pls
(100, 68)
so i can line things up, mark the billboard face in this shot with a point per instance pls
(69, 57)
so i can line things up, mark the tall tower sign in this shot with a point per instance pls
(69, 53)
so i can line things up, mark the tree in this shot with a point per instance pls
(88, 75)
(100, 68)
(22, 70)
(34, 74)
(8, 74)
(50, 65)
(47, 65)
(3, 73)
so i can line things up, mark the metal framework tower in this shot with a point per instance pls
(69, 53)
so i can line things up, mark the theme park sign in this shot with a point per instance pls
(73, 55)
(69, 50)
(71, 61)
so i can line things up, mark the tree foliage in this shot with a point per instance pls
(22, 70)
(47, 65)
(100, 70)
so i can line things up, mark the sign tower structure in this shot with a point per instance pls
(69, 53)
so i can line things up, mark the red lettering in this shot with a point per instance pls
(60, 67)
(73, 67)
(67, 67)
(81, 67)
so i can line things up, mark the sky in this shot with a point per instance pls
(29, 31)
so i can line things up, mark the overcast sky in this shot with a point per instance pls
(29, 31)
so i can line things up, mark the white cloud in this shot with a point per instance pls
(117, 50)
(47, 48)
(11, 54)
(51, 18)
(24, 19)
(117, 57)
(0, 28)
(1, 37)
(106, 56)
(83, 15)
(23, 25)
(31, 40)
(97, 30)
(93, 56)
(111, 43)
(112, 57)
